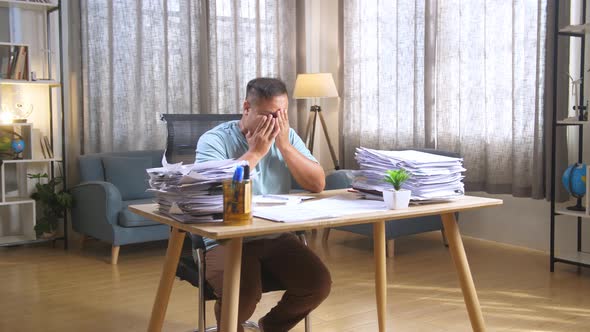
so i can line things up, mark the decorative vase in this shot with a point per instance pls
(396, 199)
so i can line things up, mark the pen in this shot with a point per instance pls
(238, 177)
(276, 197)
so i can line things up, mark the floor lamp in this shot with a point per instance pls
(319, 85)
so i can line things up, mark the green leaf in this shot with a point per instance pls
(396, 177)
(52, 201)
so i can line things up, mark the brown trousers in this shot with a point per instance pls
(286, 259)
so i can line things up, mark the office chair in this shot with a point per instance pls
(191, 268)
(184, 130)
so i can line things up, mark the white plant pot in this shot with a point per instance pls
(395, 200)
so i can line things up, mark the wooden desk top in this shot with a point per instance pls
(262, 226)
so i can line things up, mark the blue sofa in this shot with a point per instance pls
(109, 182)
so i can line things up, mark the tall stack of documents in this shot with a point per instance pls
(434, 177)
(191, 193)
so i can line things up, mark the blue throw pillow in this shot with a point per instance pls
(128, 175)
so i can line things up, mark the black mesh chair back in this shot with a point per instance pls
(184, 131)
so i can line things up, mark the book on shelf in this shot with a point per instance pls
(48, 147)
(20, 63)
(14, 62)
(42, 148)
(5, 57)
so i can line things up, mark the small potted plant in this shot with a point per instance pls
(396, 198)
(53, 204)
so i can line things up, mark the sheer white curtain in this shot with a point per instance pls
(383, 62)
(464, 76)
(142, 58)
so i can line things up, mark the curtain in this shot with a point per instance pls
(383, 87)
(463, 76)
(143, 58)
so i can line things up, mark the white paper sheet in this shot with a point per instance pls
(333, 207)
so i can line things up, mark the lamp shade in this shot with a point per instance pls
(318, 85)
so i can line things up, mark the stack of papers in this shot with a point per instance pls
(434, 177)
(191, 193)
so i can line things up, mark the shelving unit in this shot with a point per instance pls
(29, 5)
(49, 83)
(18, 200)
(561, 210)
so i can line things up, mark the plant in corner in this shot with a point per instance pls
(53, 203)
(397, 198)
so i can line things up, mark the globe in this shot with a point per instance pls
(17, 145)
(574, 180)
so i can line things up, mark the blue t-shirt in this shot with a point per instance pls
(226, 141)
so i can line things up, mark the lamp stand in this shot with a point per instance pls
(309, 135)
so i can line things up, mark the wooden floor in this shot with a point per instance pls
(46, 289)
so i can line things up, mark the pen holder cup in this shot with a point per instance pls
(237, 203)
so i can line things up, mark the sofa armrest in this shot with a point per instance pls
(339, 179)
(96, 203)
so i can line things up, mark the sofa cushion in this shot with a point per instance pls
(128, 175)
(339, 179)
(130, 219)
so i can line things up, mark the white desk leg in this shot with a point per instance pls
(166, 280)
(463, 271)
(380, 272)
(231, 285)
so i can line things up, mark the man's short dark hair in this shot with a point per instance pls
(264, 88)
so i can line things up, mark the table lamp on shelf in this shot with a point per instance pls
(310, 86)
(17, 114)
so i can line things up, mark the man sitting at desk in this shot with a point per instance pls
(263, 138)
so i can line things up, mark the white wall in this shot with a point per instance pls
(522, 222)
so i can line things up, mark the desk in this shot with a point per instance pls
(235, 234)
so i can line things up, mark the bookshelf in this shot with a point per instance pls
(575, 210)
(31, 61)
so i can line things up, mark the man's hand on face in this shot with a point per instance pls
(282, 121)
(260, 140)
